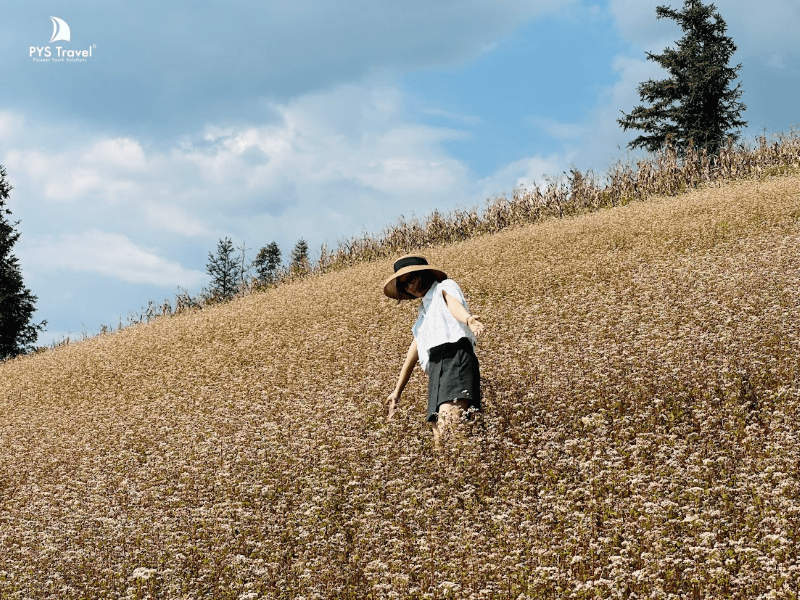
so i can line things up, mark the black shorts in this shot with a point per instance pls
(453, 375)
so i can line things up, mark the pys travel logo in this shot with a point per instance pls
(57, 54)
(60, 30)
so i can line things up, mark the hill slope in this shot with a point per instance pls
(639, 435)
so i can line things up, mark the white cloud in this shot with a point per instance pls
(334, 164)
(120, 153)
(526, 172)
(76, 174)
(109, 254)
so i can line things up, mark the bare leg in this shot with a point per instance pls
(450, 413)
(437, 436)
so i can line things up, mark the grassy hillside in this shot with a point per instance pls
(639, 436)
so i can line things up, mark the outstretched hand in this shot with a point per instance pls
(475, 326)
(392, 400)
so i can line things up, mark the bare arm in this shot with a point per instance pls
(461, 315)
(412, 356)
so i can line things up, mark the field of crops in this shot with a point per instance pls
(640, 435)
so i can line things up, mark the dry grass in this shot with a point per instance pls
(639, 440)
(664, 173)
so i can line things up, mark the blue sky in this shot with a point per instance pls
(275, 121)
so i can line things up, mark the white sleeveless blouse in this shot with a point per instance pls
(435, 324)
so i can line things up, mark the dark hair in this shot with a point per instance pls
(426, 281)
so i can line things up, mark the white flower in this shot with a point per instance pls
(142, 573)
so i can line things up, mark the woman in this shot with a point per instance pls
(444, 336)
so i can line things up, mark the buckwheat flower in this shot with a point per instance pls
(142, 573)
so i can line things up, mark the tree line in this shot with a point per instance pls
(230, 271)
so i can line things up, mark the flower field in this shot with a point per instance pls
(640, 435)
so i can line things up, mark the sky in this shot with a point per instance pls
(261, 122)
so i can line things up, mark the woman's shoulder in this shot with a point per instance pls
(450, 286)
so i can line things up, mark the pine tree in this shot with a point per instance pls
(300, 263)
(17, 333)
(224, 269)
(268, 262)
(696, 103)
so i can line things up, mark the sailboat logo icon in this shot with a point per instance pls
(60, 30)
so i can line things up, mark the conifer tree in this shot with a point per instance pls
(224, 269)
(268, 262)
(17, 333)
(299, 257)
(696, 102)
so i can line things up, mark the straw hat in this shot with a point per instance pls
(408, 264)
